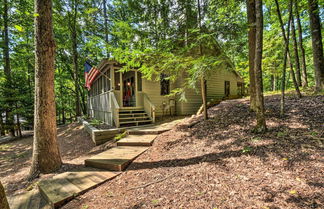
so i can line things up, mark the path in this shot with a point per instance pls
(56, 191)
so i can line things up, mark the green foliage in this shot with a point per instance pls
(246, 149)
(95, 122)
(120, 136)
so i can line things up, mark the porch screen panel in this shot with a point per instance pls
(107, 81)
(117, 81)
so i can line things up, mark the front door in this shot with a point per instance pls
(129, 89)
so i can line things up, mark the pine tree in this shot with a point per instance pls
(46, 154)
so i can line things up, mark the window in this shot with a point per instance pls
(139, 81)
(240, 89)
(165, 84)
(227, 88)
(117, 81)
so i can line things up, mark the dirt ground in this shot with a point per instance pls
(221, 163)
(15, 156)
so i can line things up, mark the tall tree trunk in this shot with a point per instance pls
(297, 63)
(46, 153)
(301, 46)
(272, 82)
(2, 130)
(18, 123)
(106, 24)
(259, 102)
(286, 41)
(75, 57)
(251, 35)
(283, 81)
(203, 82)
(7, 70)
(3, 199)
(318, 59)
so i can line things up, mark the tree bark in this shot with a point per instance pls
(7, 70)
(3, 199)
(251, 35)
(318, 59)
(75, 56)
(2, 131)
(301, 46)
(286, 41)
(106, 25)
(203, 82)
(283, 81)
(297, 63)
(259, 102)
(46, 154)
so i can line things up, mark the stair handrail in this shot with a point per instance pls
(115, 108)
(149, 107)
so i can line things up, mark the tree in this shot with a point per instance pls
(252, 31)
(296, 54)
(301, 46)
(203, 82)
(3, 200)
(318, 59)
(259, 100)
(46, 155)
(7, 70)
(73, 15)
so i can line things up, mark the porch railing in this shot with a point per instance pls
(115, 108)
(149, 107)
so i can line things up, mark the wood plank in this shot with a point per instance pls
(137, 140)
(57, 191)
(63, 187)
(116, 158)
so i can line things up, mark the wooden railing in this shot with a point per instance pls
(115, 108)
(149, 107)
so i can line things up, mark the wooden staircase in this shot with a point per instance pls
(129, 117)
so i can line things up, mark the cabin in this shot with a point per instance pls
(124, 99)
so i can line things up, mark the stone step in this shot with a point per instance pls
(115, 159)
(64, 187)
(137, 140)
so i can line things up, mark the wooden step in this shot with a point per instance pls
(136, 122)
(63, 187)
(131, 111)
(115, 159)
(131, 114)
(135, 118)
(137, 140)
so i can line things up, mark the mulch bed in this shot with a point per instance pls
(221, 163)
(15, 156)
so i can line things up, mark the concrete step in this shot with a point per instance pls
(115, 159)
(137, 140)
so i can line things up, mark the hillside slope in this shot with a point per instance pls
(220, 163)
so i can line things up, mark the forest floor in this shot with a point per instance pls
(15, 156)
(221, 163)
